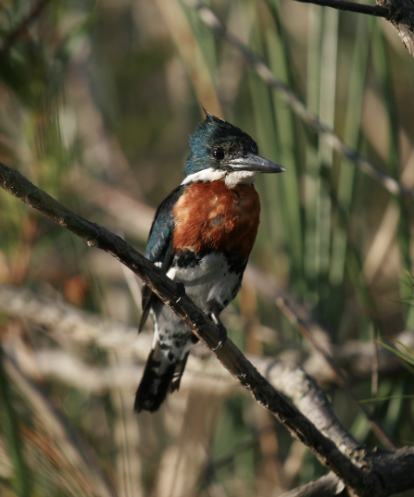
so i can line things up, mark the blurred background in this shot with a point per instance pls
(97, 103)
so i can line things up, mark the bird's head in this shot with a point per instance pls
(219, 150)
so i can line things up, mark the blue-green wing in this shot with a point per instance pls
(159, 247)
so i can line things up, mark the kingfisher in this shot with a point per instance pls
(201, 236)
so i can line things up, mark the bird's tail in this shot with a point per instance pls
(161, 375)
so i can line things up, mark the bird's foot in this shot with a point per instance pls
(179, 291)
(222, 332)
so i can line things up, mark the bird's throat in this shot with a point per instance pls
(231, 178)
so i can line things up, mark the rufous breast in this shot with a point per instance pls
(211, 216)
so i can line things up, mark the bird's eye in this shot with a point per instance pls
(217, 153)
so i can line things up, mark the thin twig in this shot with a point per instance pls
(263, 70)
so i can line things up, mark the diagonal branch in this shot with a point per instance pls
(363, 481)
(263, 70)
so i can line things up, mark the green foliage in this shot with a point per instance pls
(21, 478)
(407, 356)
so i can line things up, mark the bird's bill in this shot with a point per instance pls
(255, 163)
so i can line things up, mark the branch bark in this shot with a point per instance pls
(402, 18)
(363, 476)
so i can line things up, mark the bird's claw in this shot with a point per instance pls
(222, 337)
(179, 289)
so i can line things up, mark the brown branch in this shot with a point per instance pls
(300, 109)
(363, 481)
